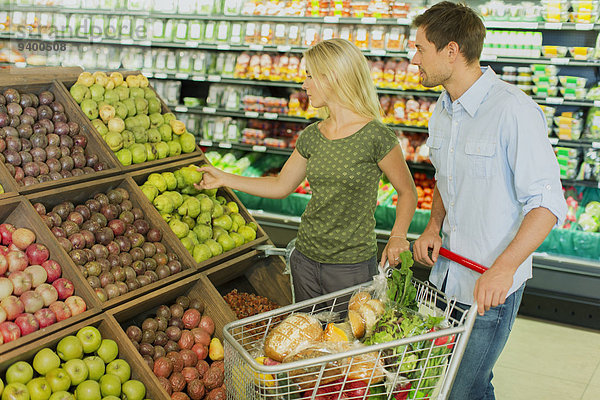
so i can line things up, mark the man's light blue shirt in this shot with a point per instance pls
(493, 164)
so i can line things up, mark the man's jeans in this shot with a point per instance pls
(490, 332)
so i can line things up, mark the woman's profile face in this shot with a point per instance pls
(314, 94)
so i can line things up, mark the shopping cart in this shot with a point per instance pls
(422, 366)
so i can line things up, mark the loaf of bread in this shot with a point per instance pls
(286, 337)
(358, 299)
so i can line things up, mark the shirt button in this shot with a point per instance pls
(451, 149)
(450, 178)
(548, 187)
(454, 229)
(451, 204)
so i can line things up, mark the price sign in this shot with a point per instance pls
(284, 48)
(191, 44)
(214, 78)
(251, 114)
(147, 74)
(180, 75)
(553, 141)
(206, 143)
(553, 25)
(181, 109)
(331, 20)
(199, 78)
(261, 149)
(596, 145)
(269, 115)
(257, 47)
(584, 27)
(209, 110)
(559, 60)
(555, 100)
(225, 145)
(223, 47)
(160, 75)
(368, 20)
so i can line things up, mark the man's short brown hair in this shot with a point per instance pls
(447, 22)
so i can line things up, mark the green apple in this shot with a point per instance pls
(88, 390)
(120, 368)
(134, 390)
(77, 370)
(108, 350)
(45, 361)
(62, 395)
(90, 338)
(1, 385)
(39, 389)
(95, 367)
(19, 372)
(15, 391)
(59, 380)
(110, 385)
(69, 348)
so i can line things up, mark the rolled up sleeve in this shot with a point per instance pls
(535, 169)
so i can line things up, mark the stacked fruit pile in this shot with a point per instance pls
(32, 293)
(130, 120)
(83, 367)
(207, 224)
(176, 344)
(37, 141)
(111, 242)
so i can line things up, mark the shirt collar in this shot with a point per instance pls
(473, 97)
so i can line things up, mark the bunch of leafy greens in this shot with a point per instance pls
(400, 288)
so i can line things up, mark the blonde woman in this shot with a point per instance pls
(343, 157)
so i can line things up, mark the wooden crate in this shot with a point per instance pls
(30, 75)
(79, 193)
(95, 144)
(195, 286)
(133, 167)
(20, 213)
(109, 329)
(265, 274)
(141, 176)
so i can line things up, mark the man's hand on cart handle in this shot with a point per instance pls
(427, 248)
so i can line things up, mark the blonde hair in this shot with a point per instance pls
(342, 74)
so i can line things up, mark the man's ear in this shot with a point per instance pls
(453, 51)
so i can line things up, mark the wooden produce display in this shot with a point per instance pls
(109, 329)
(95, 145)
(20, 213)
(31, 75)
(197, 286)
(66, 85)
(9, 185)
(80, 193)
(140, 178)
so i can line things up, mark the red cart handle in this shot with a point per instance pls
(465, 262)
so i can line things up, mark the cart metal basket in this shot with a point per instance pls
(415, 367)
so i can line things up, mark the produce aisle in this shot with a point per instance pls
(111, 262)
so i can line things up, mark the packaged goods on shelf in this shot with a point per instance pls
(406, 110)
(512, 44)
(272, 134)
(569, 125)
(501, 11)
(592, 126)
(568, 161)
(168, 90)
(589, 219)
(221, 129)
(590, 167)
(555, 10)
(414, 147)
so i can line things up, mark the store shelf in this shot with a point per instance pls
(582, 143)
(270, 116)
(573, 182)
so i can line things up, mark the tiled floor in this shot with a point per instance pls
(544, 360)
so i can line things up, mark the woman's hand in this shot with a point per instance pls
(212, 178)
(394, 247)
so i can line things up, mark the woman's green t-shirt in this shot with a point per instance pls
(338, 225)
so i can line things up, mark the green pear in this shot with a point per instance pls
(149, 93)
(162, 150)
(80, 92)
(120, 110)
(166, 133)
(174, 148)
(214, 246)
(154, 105)
(90, 108)
(138, 153)
(124, 156)
(111, 96)
(153, 135)
(97, 92)
(156, 119)
(130, 104)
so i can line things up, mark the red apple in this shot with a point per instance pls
(6, 288)
(22, 238)
(61, 310)
(6, 231)
(53, 270)
(3, 250)
(45, 317)
(76, 304)
(32, 301)
(38, 274)
(17, 261)
(21, 282)
(37, 253)
(13, 307)
(9, 331)
(2, 318)
(27, 323)
(64, 287)
(3, 264)
(48, 293)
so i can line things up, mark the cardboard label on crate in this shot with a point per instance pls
(251, 114)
